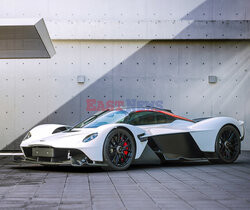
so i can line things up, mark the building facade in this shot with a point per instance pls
(141, 52)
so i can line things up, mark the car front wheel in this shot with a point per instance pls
(119, 150)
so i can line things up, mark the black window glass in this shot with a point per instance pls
(163, 118)
(148, 118)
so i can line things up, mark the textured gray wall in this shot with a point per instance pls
(175, 72)
(136, 19)
(86, 36)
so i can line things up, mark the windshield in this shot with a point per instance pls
(103, 119)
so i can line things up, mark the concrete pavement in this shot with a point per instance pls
(189, 185)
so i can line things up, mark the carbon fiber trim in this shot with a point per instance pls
(172, 146)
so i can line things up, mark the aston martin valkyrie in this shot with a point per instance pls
(115, 139)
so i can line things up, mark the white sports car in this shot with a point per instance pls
(114, 139)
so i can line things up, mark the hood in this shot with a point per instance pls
(64, 139)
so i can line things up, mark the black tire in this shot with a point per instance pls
(227, 145)
(118, 150)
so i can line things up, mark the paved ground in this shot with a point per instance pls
(192, 185)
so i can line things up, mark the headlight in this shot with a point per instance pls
(28, 135)
(90, 137)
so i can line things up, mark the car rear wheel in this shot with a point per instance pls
(227, 145)
(118, 150)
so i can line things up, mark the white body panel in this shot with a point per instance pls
(45, 130)
(203, 132)
(42, 136)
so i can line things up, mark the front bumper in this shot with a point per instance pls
(45, 155)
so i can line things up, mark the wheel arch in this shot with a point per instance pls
(128, 130)
(108, 167)
(232, 126)
(219, 159)
(134, 131)
(131, 133)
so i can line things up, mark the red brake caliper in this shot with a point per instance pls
(125, 152)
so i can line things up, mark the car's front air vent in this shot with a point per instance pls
(59, 130)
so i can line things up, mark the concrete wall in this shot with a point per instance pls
(127, 50)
